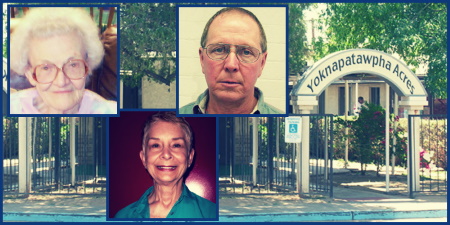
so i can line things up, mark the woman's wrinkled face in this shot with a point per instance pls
(166, 157)
(63, 95)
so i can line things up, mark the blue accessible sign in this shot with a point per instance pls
(292, 133)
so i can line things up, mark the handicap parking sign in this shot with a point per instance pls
(293, 128)
(292, 132)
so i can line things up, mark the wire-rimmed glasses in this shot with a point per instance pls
(244, 53)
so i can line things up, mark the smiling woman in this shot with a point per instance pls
(57, 49)
(167, 154)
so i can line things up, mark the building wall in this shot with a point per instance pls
(332, 96)
(158, 96)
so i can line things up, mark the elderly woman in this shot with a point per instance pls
(167, 153)
(57, 49)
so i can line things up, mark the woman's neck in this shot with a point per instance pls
(163, 198)
(42, 107)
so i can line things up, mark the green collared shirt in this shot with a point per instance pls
(189, 205)
(199, 106)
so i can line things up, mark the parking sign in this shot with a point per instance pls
(292, 133)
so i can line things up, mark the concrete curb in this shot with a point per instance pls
(51, 217)
(267, 217)
(334, 216)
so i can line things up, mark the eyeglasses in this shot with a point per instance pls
(75, 69)
(245, 54)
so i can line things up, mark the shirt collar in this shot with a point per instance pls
(200, 108)
(145, 211)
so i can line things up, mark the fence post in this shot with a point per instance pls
(416, 153)
(255, 121)
(24, 155)
(413, 154)
(270, 143)
(386, 135)
(305, 155)
(57, 143)
(72, 149)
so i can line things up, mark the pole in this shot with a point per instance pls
(395, 129)
(255, 149)
(23, 157)
(346, 118)
(72, 149)
(305, 154)
(386, 135)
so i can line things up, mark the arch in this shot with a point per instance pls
(359, 61)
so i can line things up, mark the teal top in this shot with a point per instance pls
(189, 205)
(199, 106)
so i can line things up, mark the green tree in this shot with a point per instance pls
(298, 50)
(147, 42)
(368, 133)
(415, 31)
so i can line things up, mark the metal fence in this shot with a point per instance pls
(428, 139)
(270, 167)
(58, 155)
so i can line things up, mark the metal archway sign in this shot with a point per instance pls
(353, 61)
(357, 61)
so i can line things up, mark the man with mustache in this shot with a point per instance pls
(233, 53)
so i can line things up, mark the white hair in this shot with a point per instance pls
(48, 22)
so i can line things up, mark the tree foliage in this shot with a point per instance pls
(298, 51)
(369, 135)
(415, 31)
(148, 42)
(366, 135)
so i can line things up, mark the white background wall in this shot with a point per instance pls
(272, 82)
(332, 96)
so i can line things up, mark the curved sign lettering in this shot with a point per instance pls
(359, 61)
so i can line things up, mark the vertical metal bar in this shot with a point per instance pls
(50, 155)
(277, 150)
(255, 150)
(331, 151)
(270, 149)
(430, 134)
(326, 153)
(313, 185)
(248, 150)
(445, 145)
(32, 148)
(96, 147)
(83, 158)
(386, 137)
(410, 169)
(57, 132)
(232, 145)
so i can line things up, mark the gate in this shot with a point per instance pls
(254, 158)
(47, 164)
(428, 167)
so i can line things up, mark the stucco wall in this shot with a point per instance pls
(158, 96)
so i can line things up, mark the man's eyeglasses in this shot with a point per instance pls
(245, 54)
(75, 69)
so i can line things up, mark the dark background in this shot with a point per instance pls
(128, 179)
